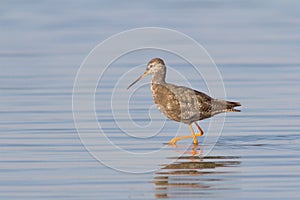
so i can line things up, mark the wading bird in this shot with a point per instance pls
(180, 103)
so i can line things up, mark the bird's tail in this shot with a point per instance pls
(230, 106)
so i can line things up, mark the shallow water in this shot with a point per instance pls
(256, 48)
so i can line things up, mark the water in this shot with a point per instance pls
(255, 46)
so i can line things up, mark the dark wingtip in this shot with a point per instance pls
(233, 110)
(233, 104)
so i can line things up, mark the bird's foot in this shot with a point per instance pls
(173, 141)
(176, 139)
(195, 141)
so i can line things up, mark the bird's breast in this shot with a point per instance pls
(166, 101)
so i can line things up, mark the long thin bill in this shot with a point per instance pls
(139, 78)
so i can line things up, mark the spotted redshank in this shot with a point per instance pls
(180, 103)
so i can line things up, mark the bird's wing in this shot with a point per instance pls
(192, 102)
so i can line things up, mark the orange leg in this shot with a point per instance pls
(176, 139)
(199, 129)
(195, 141)
(194, 136)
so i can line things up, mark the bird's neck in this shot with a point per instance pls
(159, 77)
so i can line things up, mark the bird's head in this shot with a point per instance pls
(156, 65)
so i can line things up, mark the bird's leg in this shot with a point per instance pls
(199, 129)
(176, 139)
(194, 135)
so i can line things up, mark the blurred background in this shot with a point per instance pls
(255, 45)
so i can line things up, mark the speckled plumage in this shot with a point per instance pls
(180, 103)
(186, 105)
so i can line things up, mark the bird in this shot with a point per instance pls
(180, 103)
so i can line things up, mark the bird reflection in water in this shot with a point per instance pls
(192, 175)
